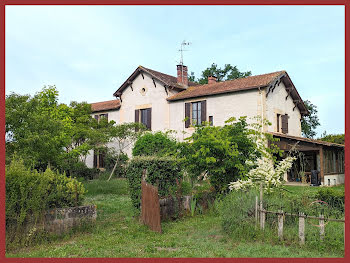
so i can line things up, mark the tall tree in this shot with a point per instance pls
(228, 72)
(310, 122)
(334, 138)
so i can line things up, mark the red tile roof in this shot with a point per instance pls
(168, 80)
(227, 86)
(282, 135)
(105, 105)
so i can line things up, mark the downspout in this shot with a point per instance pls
(262, 110)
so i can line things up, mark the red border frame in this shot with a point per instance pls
(3, 3)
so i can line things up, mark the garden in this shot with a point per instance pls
(222, 169)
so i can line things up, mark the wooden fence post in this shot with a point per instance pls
(280, 224)
(321, 227)
(262, 219)
(262, 212)
(302, 228)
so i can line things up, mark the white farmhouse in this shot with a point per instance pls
(163, 102)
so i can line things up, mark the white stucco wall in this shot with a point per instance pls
(112, 115)
(276, 103)
(335, 179)
(221, 107)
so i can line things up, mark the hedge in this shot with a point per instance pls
(29, 193)
(161, 172)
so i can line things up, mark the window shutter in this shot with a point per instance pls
(95, 160)
(284, 123)
(137, 115)
(203, 111)
(187, 114)
(101, 160)
(149, 119)
(96, 117)
(137, 118)
(106, 115)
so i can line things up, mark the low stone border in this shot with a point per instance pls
(61, 220)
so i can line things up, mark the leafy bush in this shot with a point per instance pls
(163, 172)
(237, 214)
(79, 169)
(159, 144)
(334, 198)
(121, 159)
(30, 193)
(225, 153)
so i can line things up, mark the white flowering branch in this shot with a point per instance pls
(264, 174)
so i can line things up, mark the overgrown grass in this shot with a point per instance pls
(118, 233)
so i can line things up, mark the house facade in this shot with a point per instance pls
(163, 102)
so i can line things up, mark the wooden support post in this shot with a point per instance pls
(301, 228)
(321, 227)
(280, 224)
(321, 165)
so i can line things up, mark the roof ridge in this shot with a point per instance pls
(104, 101)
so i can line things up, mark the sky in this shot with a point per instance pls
(89, 51)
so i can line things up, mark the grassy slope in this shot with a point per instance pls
(118, 234)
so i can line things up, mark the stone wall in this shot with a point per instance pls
(61, 220)
(170, 208)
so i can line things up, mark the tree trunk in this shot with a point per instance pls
(115, 166)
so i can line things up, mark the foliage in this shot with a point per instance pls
(80, 170)
(192, 237)
(228, 72)
(124, 135)
(159, 144)
(265, 174)
(334, 138)
(164, 172)
(112, 158)
(310, 122)
(237, 214)
(224, 154)
(45, 133)
(29, 193)
(332, 197)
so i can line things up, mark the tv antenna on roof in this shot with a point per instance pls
(183, 44)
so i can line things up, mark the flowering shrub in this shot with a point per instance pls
(264, 174)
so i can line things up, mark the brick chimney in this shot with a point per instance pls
(211, 79)
(182, 77)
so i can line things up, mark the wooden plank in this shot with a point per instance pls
(150, 208)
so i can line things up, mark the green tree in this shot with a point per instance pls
(310, 122)
(228, 72)
(334, 138)
(124, 135)
(225, 153)
(45, 133)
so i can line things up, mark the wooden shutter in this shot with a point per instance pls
(149, 119)
(95, 159)
(284, 123)
(137, 118)
(137, 115)
(187, 114)
(101, 160)
(96, 117)
(203, 111)
(106, 115)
